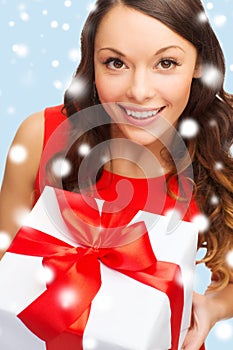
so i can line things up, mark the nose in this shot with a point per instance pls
(141, 87)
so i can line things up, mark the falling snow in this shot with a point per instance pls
(76, 87)
(229, 258)
(214, 200)
(91, 6)
(211, 76)
(74, 55)
(5, 240)
(209, 6)
(220, 20)
(41, 44)
(21, 50)
(54, 24)
(218, 166)
(61, 167)
(202, 17)
(46, 275)
(21, 215)
(55, 63)
(201, 222)
(18, 154)
(67, 297)
(224, 330)
(189, 128)
(84, 150)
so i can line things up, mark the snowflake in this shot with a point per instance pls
(201, 222)
(91, 6)
(54, 24)
(76, 87)
(209, 6)
(11, 23)
(18, 154)
(202, 17)
(61, 167)
(67, 3)
(46, 275)
(189, 128)
(21, 215)
(67, 297)
(24, 16)
(58, 84)
(224, 330)
(66, 27)
(213, 123)
(211, 76)
(5, 240)
(214, 200)
(84, 150)
(220, 20)
(218, 166)
(10, 110)
(21, 50)
(231, 150)
(229, 258)
(55, 63)
(74, 55)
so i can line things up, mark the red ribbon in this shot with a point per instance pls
(77, 276)
(59, 315)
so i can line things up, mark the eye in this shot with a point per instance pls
(115, 63)
(166, 64)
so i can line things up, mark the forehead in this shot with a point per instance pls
(125, 26)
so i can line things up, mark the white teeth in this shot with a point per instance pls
(142, 115)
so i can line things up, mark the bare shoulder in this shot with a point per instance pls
(30, 136)
(32, 128)
(22, 165)
(25, 151)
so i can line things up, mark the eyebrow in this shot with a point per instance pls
(163, 49)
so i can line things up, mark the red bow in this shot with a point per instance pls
(59, 314)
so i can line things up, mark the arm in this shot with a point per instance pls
(16, 195)
(207, 310)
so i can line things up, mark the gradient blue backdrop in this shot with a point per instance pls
(39, 51)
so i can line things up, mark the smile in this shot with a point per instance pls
(143, 114)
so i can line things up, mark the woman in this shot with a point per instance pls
(143, 59)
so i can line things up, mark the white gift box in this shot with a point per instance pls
(125, 314)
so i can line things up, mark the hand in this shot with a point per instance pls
(203, 319)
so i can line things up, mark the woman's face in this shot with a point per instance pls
(143, 71)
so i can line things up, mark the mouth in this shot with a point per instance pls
(142, 115)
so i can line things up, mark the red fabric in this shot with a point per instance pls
(150, 194)
(53, 118)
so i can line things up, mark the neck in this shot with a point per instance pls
(133, 160)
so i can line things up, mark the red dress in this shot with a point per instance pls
(147, 194)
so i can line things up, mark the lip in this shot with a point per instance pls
(143, 121)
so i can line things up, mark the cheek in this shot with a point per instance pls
(178, 92)
(110, 89)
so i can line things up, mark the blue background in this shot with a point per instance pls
(39, 51)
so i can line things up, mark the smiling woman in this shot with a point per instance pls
(142, 81)
(144, 71)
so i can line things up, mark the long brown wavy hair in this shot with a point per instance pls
(209, 105)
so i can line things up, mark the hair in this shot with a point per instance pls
(208, 104)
